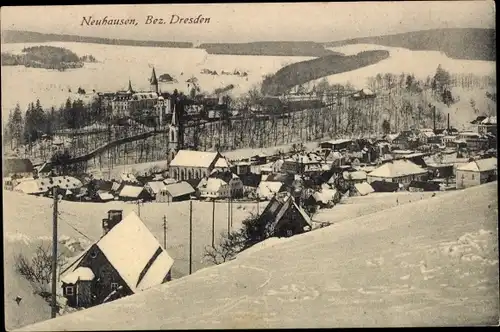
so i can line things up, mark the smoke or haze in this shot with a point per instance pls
(257, 22)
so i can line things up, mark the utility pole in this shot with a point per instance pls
(139, 208)
(54, 255)
(213, 223)
(190, 237)
(228, 216)
(165, 232)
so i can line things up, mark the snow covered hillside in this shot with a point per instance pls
(401, 60)
(122, 63)
(425, 263)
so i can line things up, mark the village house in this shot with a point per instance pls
(336, 145)
(134, 193)
(284, 217)
(126, 260)
(302, 163)
(154, 187)
(474, 141)
(18, 168)
(324, 198)
(175, 192)
(268, 189)
(250, 183)
(354, 177)
(487, 125)
(360, 189)
(476, 172)
(189, 164)
(401, 171)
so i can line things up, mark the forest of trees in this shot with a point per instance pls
(38, 122)
(301, 72)
(48, 57)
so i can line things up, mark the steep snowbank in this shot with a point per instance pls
(431, 262)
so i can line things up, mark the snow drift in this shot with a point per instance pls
(431, 262)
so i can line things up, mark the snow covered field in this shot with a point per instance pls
(118, 64)
(426, 263)
(401, 60)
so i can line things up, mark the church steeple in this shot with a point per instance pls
(153, 81)
(130, 90)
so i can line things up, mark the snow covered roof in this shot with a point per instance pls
(480, 165)
(169, 181)
(222, 163)
(128, 177)
(267, 189)
(105, 196)
(188, 158)
(268, 287)
(131, 191)
(364, 188)
(211, 184)
(42, 185)
(129, 247)
(357, 175)
(397, 168)
(156, 186)
(81, 273)
(325, 195)
(490, 120)
(179, 189)
(338, 141)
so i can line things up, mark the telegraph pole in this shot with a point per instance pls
(165, 232)
(190, 236)
(138, 208)
(54, 255)
(228, 216)
(213, 223)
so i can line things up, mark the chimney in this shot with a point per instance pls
(114, 217)
(448, 123)
(105, 226)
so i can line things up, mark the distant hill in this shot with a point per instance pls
(16, 36)
(269, 48)
(467, 44)
(305, 71)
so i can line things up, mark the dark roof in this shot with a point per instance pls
(384, 187)
(193, 182)
(427, 186)
(18, 166)
(104, 185)
(478, 119)
(224, 176)
(250, 180)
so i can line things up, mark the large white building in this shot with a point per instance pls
(400, 170)
(189, 164)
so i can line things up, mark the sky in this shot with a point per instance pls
(235, 22)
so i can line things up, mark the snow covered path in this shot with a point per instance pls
(431, 262)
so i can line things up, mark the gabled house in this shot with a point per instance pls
(354, 177)
(400, 170)
(476, 172)
(126, 260)
(129, 178)
(175, 192)
(189, 164)
(267, 189)
(233, 180)
(301, 163)
(284, 218)
(134, 193)
(154, 187)
(323, 198)
(42, 186)
(361, 189)
(250, 182)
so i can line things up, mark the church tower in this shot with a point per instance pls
(153, 82)
(173, 135)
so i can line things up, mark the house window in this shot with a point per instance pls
(70, 290)
(289, 232)
(472, 176)
(114, 286)
(93, 254)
